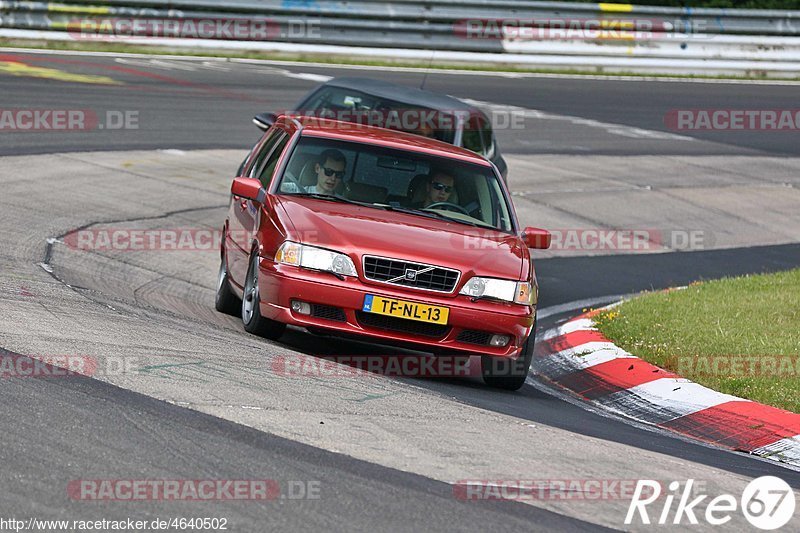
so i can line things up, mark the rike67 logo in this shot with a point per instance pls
(767, 502)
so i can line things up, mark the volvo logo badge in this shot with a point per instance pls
(411, 275)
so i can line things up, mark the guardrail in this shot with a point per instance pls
(514, 31)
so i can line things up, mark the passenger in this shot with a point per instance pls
(330, 171)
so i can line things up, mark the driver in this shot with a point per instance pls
(330, 171)
(439, 188)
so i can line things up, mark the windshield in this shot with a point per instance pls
(386, 178)
(350, 105)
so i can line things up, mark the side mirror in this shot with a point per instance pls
(249, 188)
(536, 238)
(264, 121)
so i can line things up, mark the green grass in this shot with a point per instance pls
(349, 60)
(740, 335)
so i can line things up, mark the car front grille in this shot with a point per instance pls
(410, 274)
(402, 325)
(474, 337)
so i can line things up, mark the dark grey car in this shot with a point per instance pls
(359, 99)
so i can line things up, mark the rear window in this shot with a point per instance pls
(355, 106)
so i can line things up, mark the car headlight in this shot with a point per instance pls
(302, 255)
(519, 292)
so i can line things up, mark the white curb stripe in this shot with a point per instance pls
(549, 334)
(582, 324)
(602, 356)
(787, 450)
(587, 349)
(592, 354)
(678, 396)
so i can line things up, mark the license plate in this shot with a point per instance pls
(403, 309)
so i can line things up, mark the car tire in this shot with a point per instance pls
(226, 301)
(509, 374)
(251, 307)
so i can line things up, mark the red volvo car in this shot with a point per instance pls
(389, 236)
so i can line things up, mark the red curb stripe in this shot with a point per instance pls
(612, 376)
(739, 425)
(573, 340)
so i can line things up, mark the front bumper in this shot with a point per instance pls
(280, 284)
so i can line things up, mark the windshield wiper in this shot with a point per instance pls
(331, 198)
(467, 222)
(435, 214)
(410, 211)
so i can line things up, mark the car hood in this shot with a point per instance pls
(358, 230)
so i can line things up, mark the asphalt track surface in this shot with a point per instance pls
(208, 104)
(46, 421)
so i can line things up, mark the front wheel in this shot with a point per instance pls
(509, 374)
(251, 307)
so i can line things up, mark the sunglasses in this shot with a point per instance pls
(441, 186)
(330, 172)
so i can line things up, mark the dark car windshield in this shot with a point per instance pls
(349, 105)
(387, 178)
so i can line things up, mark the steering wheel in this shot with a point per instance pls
(293, 180)
(448, 206)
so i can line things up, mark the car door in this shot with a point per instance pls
(477, 136)
(243, 213)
